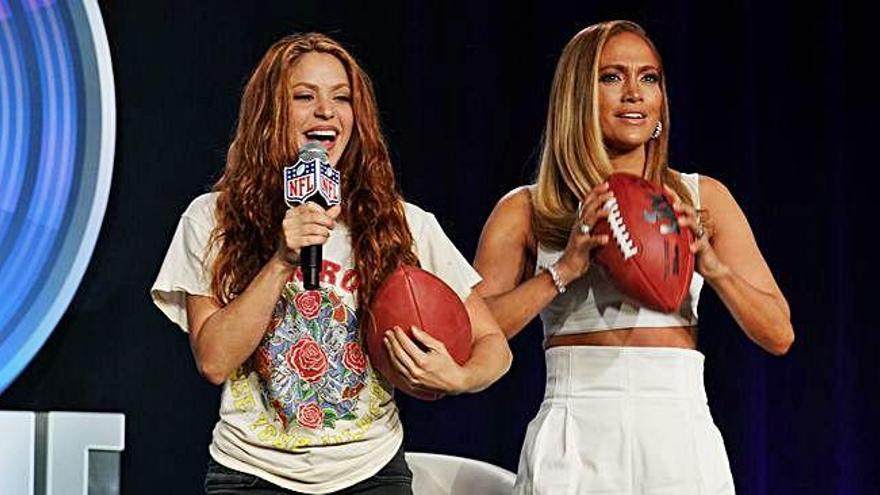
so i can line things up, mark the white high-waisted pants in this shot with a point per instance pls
(623, 420)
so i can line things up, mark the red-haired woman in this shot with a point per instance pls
(302, 409)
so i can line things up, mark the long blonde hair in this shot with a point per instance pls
(574, 158)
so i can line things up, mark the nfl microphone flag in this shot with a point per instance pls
(311, 178)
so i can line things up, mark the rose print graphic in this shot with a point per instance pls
(307, 358)
(310, 415)
(312, 367)
(354, 358)
(308, 303)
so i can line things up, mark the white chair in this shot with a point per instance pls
(435, 474)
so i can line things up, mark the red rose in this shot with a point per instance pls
(310, 415)
(308, 303)
(353, 358)
(307, 358)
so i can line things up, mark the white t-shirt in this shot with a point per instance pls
(306, 411)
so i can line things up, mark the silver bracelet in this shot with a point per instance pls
(557, 280)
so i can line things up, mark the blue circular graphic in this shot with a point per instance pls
(57, 138)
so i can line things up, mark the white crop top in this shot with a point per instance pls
(592, 303)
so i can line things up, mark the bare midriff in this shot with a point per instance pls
(682, 337)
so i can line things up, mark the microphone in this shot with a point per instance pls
(311, 178)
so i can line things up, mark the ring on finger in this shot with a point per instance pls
(701, 231)
(583, 227)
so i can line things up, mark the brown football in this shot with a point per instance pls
(647, 254)
(409, 297)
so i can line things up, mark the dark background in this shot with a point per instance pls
(777, 101)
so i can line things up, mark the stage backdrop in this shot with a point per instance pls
(775, 101)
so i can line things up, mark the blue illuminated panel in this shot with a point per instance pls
(57, 135)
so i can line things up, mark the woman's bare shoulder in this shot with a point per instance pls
(515, 206)
(713, 190)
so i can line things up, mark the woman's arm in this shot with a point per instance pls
(513, 291)
(435, 369)
(223, 337)
(490, 354)
(729, 259)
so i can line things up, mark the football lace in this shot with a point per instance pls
(618, 230)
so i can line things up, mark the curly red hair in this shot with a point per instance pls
(251, 206)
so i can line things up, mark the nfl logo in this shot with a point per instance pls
(329, 184)
(300, 182)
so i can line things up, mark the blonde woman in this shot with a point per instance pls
(625, 410)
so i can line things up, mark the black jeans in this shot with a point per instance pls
(394, 478)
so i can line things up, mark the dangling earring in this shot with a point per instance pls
(657, 130)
